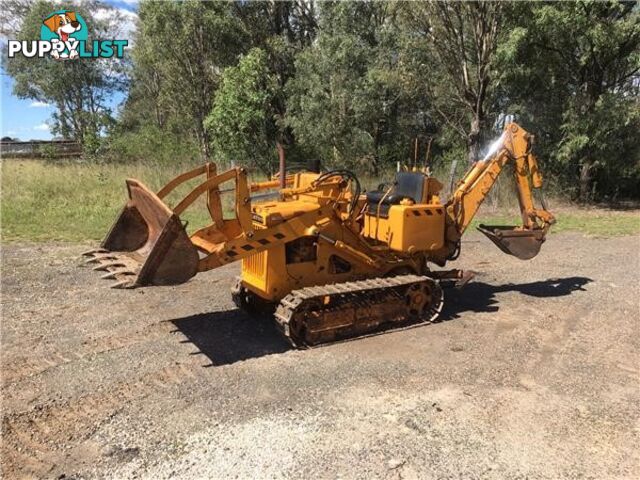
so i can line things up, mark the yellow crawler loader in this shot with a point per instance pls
(330, 261)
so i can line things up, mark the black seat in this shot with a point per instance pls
(376, 196)
(407, 185)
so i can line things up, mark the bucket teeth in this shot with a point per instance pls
(93, 251)
(115, 273)
(98, 258)
(117, 267)
(123, 284)
(105, 265)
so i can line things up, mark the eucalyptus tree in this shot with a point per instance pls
(573, 70)
(180, 52)
(80, 90)
(461, 40)
(349, 100)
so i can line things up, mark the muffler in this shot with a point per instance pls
(146, 245)
(522, 243)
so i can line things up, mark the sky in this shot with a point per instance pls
(28, 119)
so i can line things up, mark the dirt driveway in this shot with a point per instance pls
(534, 373)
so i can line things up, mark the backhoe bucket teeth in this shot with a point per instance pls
(521, 243)
(146, 245)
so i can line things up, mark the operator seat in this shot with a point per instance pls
(408, 185)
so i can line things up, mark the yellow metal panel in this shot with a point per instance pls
(264, 273)
(409, 228)
(255, 264)
(254, 269)
(270, 214)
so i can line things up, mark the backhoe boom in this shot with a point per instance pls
(514, 145)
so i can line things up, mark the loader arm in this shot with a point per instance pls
(523, 241)
(148, 243)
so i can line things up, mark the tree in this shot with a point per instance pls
(242, 123)
(573, 69)
(280, 29)
(168, 90)
(462, 38)
(80, 89)
(14, 12)
(180, 52)
(348, 100)
(145, 88)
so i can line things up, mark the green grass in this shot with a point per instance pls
(590, 221)
(71, 201)
(43, 201)
(599, 222)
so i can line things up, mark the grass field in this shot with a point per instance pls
(72, 201)
(78, 202)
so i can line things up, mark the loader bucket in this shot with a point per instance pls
(521, 243)
(146, 245)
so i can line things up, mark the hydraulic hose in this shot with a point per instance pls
(350, 175)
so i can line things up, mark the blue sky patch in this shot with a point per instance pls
(29, 119)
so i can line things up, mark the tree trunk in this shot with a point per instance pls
(585, 180)
(206, 151)
(203, 139)
(375, 165)
(473, 140)
(452, 176)
(282, 165)
(377, 136)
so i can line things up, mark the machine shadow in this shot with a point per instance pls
(480, 297)
(231, 336)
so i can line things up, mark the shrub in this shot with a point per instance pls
(150, 144)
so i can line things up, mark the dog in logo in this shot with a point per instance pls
(63, 25)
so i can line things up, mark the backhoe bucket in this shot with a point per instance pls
(521, 243)
(147, 244)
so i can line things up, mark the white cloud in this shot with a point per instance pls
(109, 13)
(42, 127)
(121, 20)
(39, 105)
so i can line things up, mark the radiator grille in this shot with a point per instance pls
(254, 264)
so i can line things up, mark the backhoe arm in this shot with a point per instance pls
(514, 145)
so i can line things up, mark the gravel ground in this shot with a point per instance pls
(534, 373)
